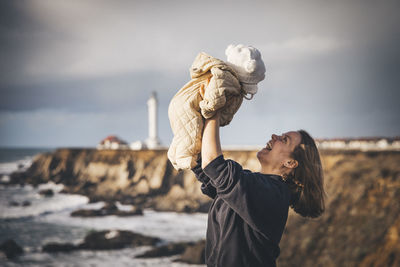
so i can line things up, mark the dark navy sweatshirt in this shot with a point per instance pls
(247, 216)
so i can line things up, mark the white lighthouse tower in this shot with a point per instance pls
(152, 141)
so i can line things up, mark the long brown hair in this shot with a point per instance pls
(306, 182)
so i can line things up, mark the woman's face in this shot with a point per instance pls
(279, 149)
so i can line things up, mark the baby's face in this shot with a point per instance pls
(236, 55)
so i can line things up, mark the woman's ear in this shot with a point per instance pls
(291, 164)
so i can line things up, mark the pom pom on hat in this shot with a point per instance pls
(247, 63)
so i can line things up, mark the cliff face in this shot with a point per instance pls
(144, 178)
(360, 227)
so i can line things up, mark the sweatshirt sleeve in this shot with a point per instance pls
(206, 187)
(260, 202)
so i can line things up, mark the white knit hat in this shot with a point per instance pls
(247, 63)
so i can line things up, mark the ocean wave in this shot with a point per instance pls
(13, 197)
(7, 168)
(169, 226)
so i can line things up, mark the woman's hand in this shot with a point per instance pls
(203, 88)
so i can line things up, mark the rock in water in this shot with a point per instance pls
(26, 203)
(108, 209)
(57, 247)
(13, 203)
(46, 192)
(11, 248)
(115, 239)
(85, 213)
(194, 254)
(134, 211)
(166, 250)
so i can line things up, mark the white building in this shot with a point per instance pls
(363, 144)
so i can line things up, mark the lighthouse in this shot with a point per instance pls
(152, 141)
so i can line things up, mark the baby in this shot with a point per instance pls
(214, 85)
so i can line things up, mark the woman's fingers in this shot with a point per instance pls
(202, 90)
(202, 87)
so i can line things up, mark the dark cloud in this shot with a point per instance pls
(332, 67)
(15, 26)
(111, 93)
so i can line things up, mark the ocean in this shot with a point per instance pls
(47, 219)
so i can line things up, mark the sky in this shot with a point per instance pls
(74, 72)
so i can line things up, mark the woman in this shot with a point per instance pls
(249, 211)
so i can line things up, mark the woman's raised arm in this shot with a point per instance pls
(211, 145)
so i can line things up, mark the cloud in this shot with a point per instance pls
(331, 66)
(86, 39)
(127, 91)
(301, 48)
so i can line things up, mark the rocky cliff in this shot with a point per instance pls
(143, 178)
(360, 227)
(361, 224)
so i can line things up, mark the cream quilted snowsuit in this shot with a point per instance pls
(187, 108)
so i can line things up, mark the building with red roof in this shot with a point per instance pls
(112, 142)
